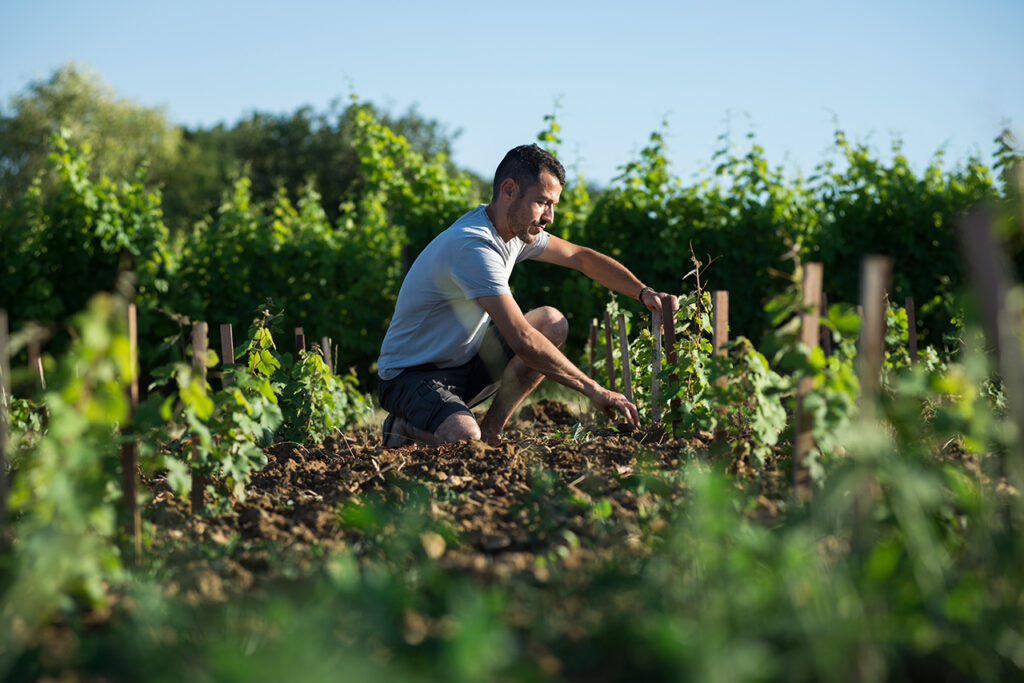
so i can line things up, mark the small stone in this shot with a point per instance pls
(433, 544)
(415, 627)
(219, 537)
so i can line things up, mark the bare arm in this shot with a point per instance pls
(541, 355)
(604, 270)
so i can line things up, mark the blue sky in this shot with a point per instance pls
(937, 74)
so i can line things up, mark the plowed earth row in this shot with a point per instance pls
(550, 489)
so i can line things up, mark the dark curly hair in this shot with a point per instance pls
(524, 164)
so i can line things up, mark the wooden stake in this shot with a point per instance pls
(609, 355)
(719, 336)
(655, 367)
(803, 440)
(5, 393)
(911, 329)
(227, 351)
(130, 450)
(627, 375)
(719, 320)
(199, 346)
(989, 272)
(876, 272)
(592, 347)
(227, 344)
(35, 362)
(300, 340)
(668, 319)
(719, 325)
(325, 349)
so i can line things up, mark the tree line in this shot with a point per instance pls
(192, 166)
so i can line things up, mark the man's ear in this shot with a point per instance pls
(509, 188)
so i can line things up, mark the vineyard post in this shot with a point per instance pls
(199, 346)
(300, 341)
(655, 367)
(5, 392)
(627, 375)
(609, 355)
(908, 304)
(592, 346)
(876, 272)
(227, 351)
(35, 362)
(719, 336)
(325, 349)
(719, 324)
(990, 279)
(803, 440)
(669, 319)
(130, 449)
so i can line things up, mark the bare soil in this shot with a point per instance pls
(551, 486)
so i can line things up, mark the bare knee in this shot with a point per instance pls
(550, 322)
(457, 427)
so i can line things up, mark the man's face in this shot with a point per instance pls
(534, 207)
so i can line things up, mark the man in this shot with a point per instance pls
(439, 357)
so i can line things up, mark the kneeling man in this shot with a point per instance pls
(440, 357)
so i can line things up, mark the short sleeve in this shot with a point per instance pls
(479, 270)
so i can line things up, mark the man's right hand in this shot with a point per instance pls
(611, 402)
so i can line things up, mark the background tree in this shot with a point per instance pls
(122, 136)
(286, 151)
(195, 167)
(870, 206)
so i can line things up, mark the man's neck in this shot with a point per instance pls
(493, 214)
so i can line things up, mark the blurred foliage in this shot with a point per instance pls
(124, 137)
(63, 245)
(192, 166)
(285, 154)
(63, 487)
(870, 207)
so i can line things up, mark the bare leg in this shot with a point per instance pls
(519, 381)
(516, 384)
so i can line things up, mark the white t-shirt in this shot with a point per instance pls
(437, 319)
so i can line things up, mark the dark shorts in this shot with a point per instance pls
(425, 395)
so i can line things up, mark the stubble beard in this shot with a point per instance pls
(520, 227)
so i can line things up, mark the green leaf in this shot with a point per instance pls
(178, 476)
(195, 397)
